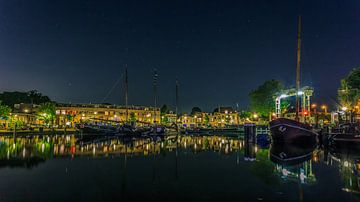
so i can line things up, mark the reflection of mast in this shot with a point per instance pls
(298, 69)
(123, 184)
(154, 163)
(176, 158)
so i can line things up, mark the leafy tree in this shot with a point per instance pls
(195, 110)
(206, 119)
(164, 109)
(11, 98)
(132, 117)
(349, 91)
(244, 114)
(69, 117)
(164, 120)
(37, 98)
(262, 99)
(47, 112)
(4, 111)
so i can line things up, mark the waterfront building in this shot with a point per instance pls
(221, 117)
(169, 118)
(80, 113)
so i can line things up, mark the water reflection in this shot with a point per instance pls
(46, 147)
(347, 159)
(273, 166)
(293, 162)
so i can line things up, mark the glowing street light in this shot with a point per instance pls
(314, 106)
(324, 107)
(344, 109)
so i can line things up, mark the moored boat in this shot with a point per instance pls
(290, 131)
(345, 133)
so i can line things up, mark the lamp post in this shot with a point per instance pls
(345, 112)
(314, 106)
(324, 107)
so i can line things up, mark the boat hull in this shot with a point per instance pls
(290, 131)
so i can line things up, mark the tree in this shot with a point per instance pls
(206, 119)
(132, 117)
(244, 114)
(164, 109)
(4, 111)
(349, 91)
(195, 110)
(11, 98)
(262, 99)
(47, 112)
(37, 98)
(164, 120)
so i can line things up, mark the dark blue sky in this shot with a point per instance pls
(74, 51)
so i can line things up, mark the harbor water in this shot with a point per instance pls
(172, 168)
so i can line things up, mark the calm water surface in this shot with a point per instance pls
(184, 168)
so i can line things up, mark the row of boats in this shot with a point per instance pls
(120, 130)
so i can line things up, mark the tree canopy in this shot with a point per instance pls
(47, 112)
(11, 98)
(262, 98)
(4, 111)
(349, 91)
(164, 109)
(195, 110)
(132, 117)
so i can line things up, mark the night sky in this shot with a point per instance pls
(75, 51)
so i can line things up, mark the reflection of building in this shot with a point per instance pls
(77, 113)
(49, 146)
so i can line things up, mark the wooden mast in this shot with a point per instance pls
(126, 94)
(155, 77)
(298, 69)
(177, 97)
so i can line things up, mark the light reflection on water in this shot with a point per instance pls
(203, 167)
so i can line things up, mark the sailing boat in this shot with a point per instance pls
(293, 131)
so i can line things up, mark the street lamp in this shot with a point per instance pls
(324, 107)
(314, 106)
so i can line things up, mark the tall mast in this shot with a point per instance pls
(155, 93)
(177, 96)
(298, 68)
(126, 93)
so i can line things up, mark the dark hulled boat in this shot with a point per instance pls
(290, 131)
(348, 133)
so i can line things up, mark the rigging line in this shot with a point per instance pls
(112, 88)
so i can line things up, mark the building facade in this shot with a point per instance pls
(68, 114)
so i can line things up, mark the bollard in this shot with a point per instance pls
(250, 132)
